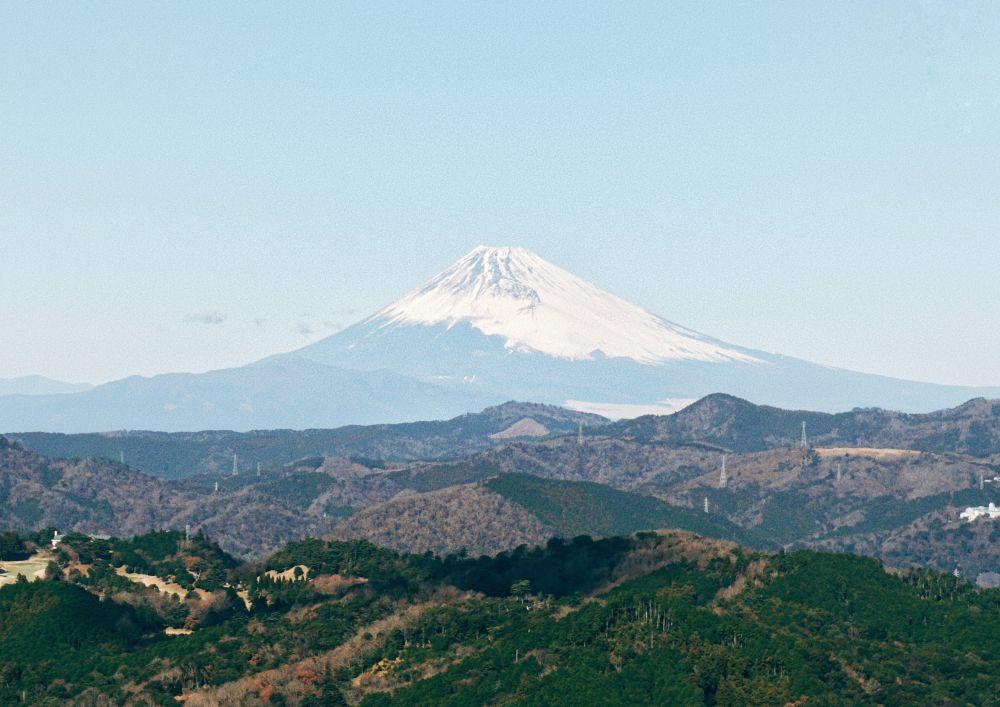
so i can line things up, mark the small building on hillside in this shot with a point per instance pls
(971, 513)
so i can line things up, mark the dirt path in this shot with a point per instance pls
(148, 580)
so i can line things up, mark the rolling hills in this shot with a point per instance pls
(179, 454)
(509, 510)
(667, 618)
(874, 482)
(716, 422)
(730, 423)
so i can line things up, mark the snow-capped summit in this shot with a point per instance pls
(536, 306)
(500, 324)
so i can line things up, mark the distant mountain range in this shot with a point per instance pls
(180, 454)
(733, 424)
(255, 514)
(499, 324)
(39, 385)
(873, 482)
(716, 423)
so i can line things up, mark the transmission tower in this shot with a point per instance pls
(579, 434)
(121, 456)
(706, 504)
(805, 440)
(236, 469)
(723, 476)
(838, 473)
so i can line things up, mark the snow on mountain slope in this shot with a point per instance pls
(536, 306)
(625, 411)
(500, 324)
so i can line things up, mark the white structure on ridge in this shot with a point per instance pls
(57, 538)
(579, 434)
(971, 513)
(805, 441)
(236, 470)
(706, 504)
(723, 476)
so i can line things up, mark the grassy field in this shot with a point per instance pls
(879, 453)
(33, 567)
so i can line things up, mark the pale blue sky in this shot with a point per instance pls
(186, 186)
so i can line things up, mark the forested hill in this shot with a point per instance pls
(720, 422)
(253, 515)
(737, 425)
(899, 505)
(98, 496)
(513, 509)
(664, 618)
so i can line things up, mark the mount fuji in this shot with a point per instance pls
(504, 323)
(499, 324)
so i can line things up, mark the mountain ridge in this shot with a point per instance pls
(499, 324)
(718, 421)
(482, 325)
(39, 385)
(177, 454)
(971, 428)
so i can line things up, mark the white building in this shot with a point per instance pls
(972, 512)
